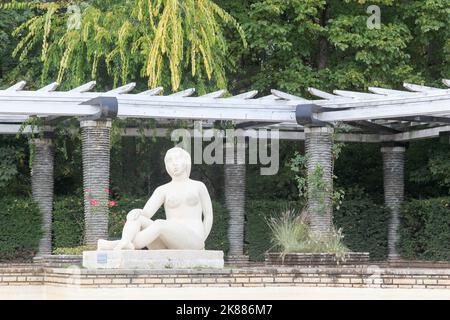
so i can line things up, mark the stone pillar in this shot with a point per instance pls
(319, 163)
(393, 173)
(95, 137)
(42, 189)
(234, 176)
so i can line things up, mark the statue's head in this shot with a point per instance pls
(178, 162)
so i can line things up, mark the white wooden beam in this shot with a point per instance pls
(269, 97)
(17, 87)
(13, 118)
(49, 88)
(13, 129)
(325, 95)
(215, 94)
(420, 134)
(287, 96)
(420, 88)
(357, 95)
(379, 109)
(390, 92)
(152, 92)
(123, 89)
(245, 95)
(184, 93)
(165, 132)
(84, 88)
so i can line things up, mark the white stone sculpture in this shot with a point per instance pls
(185, 202)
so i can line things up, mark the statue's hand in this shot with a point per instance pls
(134, 214)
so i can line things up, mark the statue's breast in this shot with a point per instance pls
(192, 199)
(175, 200)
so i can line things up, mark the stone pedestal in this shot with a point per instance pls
(153, 259)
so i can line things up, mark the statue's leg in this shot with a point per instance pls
(172, 234)
(129, 232)
(157, 244)
(106, 244)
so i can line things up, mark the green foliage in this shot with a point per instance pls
(425, 229)
(360, 165)
(73, 250)
(364, 224)
(291, 233)
(257, 230)
(9, 157)
(20, 229)
(428, 168)
(128, 39)
(68, 222)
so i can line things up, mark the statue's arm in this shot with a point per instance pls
(207, 209)
(154, 203)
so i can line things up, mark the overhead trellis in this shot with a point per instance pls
(391, 114)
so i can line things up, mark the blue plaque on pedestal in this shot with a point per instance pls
(102, 258)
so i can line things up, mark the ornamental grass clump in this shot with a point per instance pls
(291, 233)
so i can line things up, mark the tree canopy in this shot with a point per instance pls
(292, 44)
(121, 41)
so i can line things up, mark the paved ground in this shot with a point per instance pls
(285, 293)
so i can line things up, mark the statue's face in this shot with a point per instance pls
(176, 163)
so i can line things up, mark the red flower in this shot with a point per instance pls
(107, 190)
(112, 203)
(93, 202)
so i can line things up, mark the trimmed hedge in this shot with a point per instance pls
(68, 222)
(364, 226)
(20, 229)
(352, 218)
(425, 229)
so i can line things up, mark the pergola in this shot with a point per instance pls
(386, 116)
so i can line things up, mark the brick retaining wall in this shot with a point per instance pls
(361, 277)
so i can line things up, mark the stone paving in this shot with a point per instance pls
(210, 293)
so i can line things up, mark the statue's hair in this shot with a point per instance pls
(185, 155)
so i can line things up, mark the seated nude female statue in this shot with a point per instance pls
(185, 202)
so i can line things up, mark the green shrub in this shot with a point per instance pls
(291, 233)
(20, 229)
(364, 225)
(257, 232)
(68, 222)
(218, 239)
(78, 251)
(425, 229)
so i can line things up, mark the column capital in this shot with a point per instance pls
(319, 130)
(96, 123)
(42, 141)
(393, 149)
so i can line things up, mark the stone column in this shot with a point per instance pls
(95, 137)
(393, 173)
(42, 189)
(234, 176)
(319, 163)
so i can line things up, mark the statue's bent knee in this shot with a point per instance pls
(133, 214)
